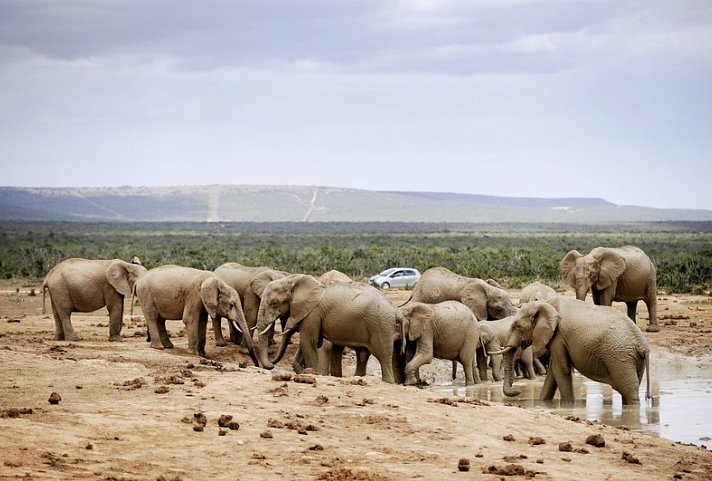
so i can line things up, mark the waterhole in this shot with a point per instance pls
(681, 408)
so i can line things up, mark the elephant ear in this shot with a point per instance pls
(567, 265)
(118, 276)
(545, 319)
(307, 293)
(210, 290)
(420, 318)
(612, 266)
(259, 281)
(474, 296)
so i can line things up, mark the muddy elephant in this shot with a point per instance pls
(536, 291)
(600, 342)
(486, 299)
(83, 285)
(446, 330)
(353, 315)
(249, 282)
(174, 292)
(493, 337)
(624, 274)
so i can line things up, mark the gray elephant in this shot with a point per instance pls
(624, 274)
(354, 315)
(486, 299)
(536, 291)
(493, 338)
(600, 342)
(249, 282)
(83, 285)
(446, 330)
(176, 292)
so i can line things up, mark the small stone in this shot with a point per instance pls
(161, 390)
(222, 432)
(536, 440)
(508, 437)
(54, 398)
(630, 458)
(233, 425)
(224, 420)
(596, 440)
(566, 447)
(200, 419)
(198, 428)
(463, 464)
(266, 435)
(89, 446)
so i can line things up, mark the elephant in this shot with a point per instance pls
(176, 292)
(493, 337)
(623, 274)
(536, 291)
(353, 315)
(486, 299)
(600, 342)
(84, 285)
(446, 330)
(249, 282)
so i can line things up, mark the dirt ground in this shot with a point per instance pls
(128, 412)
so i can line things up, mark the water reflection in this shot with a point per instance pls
(681, 409)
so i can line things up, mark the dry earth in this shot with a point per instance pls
(128, 412)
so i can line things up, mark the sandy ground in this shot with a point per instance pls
(128, 412)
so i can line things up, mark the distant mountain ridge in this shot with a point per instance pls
(274, 203)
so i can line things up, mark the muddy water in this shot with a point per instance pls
(681, 409)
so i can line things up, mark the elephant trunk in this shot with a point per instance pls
(507, 388)
(581, 290)
(286, 337)
(261, 346)
(247, 336)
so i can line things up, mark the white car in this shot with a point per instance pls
(396, 277)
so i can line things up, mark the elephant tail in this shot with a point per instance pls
(646, 359)
(44, 293)
(409, 299)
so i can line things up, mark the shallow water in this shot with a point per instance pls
(681, 409)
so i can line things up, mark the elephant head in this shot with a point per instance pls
(534, 325)
(221, 300)
(599, 269)
(417, 319)
(487, 299)
(123, 275)
(296, 296)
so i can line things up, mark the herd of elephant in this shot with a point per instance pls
(448, 316)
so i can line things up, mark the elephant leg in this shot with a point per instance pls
(625, 380)
(362, 355)
(383, 352)
(63, 330)
(538, 366)
(632, 307)
(162, 340)
(217, 331)
(549, 388)
(482, 364)
(334, 354)
(423, 355)
(200, 334)
(467, 362)
(454, 370)
(496, 361)
(651, 303)
(298, 361)
(398, 362)
(115, 306)
(560, 368)
(528, 362)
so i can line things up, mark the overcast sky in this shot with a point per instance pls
(541, 98)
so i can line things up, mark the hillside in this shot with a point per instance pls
(251, 203)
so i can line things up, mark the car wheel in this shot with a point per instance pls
(385, 285)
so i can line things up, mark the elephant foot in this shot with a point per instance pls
(220, 343)
(116, 338)
(72, 337)
(157, 346)
(653, 328)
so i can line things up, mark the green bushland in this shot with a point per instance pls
(513, 257)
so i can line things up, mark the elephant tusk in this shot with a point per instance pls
(234, 324)
(286, 332)
(501, 351)
(262, 333)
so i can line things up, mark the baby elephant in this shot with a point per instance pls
(447, 330)
(175, 292)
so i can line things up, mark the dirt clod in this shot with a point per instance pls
(566, 447)
(200, 418)
(54, 398)
(161, 389)
(463, 464)
(536, 440)
(305, 378)
(15, 412)
(596, 440)
(224, 419)
(282, 376)
(508, 437)
(509, 470)
(266, 435)
(630, 458)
